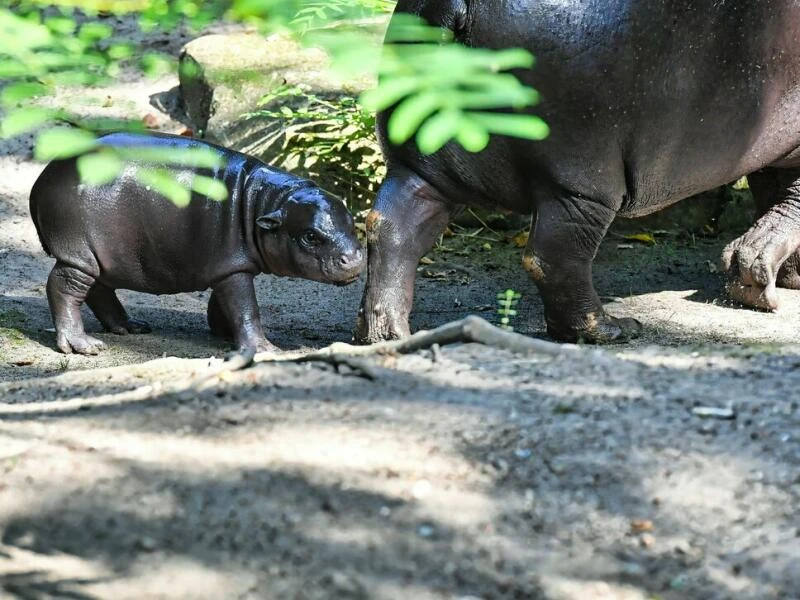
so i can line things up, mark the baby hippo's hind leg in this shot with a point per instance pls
(67, 289)
(110, 312)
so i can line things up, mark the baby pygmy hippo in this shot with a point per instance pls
(127, 235)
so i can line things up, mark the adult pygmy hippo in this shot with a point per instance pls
(648, 103)
(127, 235)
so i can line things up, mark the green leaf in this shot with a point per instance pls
(13, 68)
(197, 157)
(512, 58)
(165, 183)
(405, 27)
(120, 51)
(389, 92)
(521, 126)
(23, 120)
(61, 142)
(213, 189)
(155, 64)
(92, 32)
(472, 135)
(438, 130)
(410, 114)
(60, 25)
(99, 168)
(22, 90)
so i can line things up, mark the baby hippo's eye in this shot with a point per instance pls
(311, 238)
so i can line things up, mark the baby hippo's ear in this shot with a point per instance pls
(270, 221)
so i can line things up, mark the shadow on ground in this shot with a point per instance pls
(483, 474)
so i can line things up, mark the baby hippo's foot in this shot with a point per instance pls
(596, 328)
(79, 343)
(133, 326)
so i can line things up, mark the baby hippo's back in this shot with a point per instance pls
(128, 235)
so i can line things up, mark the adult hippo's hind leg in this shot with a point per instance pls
(402, 226)
(109, 311)
(566, 233)
(67, 288)
(767, 255)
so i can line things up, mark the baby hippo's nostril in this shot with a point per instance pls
(353, 259)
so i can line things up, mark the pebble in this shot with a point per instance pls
(426, 531)
(522, 453)
(712, 412)
(146, 543)
(421, 489)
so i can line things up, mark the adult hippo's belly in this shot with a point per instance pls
(648, 103)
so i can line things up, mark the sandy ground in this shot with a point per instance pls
(477, 474)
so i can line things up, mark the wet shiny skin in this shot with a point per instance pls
(126, 235)
(648, 102)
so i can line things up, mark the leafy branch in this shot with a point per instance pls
(438, 91)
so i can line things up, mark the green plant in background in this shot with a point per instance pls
(442, 91)
(506, 301)
(332, 139)
(315, 14)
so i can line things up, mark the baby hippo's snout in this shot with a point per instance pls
(351, 263)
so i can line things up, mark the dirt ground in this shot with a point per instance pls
(474, 474)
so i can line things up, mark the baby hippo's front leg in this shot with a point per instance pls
(236, 298)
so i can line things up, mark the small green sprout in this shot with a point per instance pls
(506, 302)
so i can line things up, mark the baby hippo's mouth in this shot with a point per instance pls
(350, 280)
(349, 268)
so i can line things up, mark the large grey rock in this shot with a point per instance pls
(224, 76)
(223, 79)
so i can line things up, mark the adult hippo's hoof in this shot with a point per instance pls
(599, 329)
(375, 326)
(764, 258)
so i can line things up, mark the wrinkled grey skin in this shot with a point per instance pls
(649, 101)
(126, 235)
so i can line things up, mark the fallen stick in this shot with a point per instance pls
(472, 329)
(469, 330)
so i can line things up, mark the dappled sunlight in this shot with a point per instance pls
(676, 315)
(709, 492)
(19, 185)
(150, 575)
(30, 574)
(657, 358)
(68, 466)
(331, 449)
(54, 574)
(565, 588)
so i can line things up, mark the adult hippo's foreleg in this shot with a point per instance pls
(767, 256)
(402, 226)
(566, 232)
